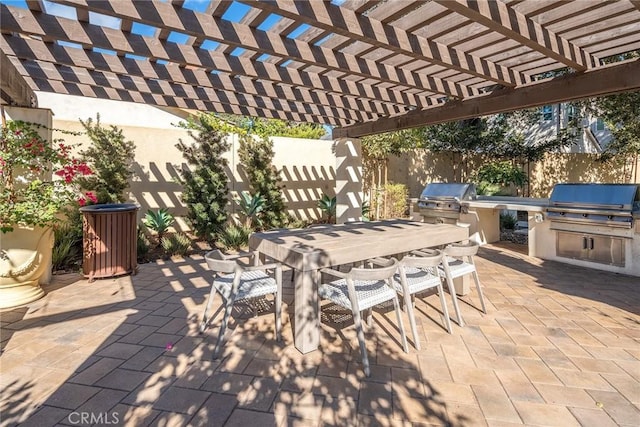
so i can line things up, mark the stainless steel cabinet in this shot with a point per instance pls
(591, 247)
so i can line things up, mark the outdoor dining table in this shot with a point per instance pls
(310, 249)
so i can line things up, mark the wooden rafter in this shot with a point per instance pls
(32, 49)
(365, 65)
(618, 77)
(503, 19)
(359, 27)
(19, 20)
(51, 72)
(237, 35)
(14, 89)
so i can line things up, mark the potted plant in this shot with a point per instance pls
(37, 179)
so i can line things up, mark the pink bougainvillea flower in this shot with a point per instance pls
(91, 197)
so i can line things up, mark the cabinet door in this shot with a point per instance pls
(606, 250)
(572, 245)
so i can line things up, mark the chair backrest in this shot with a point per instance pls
(432, 258)
(381, 273)
(458, 250)
(216, 261)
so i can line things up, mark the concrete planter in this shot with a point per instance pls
(25, 264)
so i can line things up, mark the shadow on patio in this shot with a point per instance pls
(126, 351)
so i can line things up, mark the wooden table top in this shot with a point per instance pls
(326, 245)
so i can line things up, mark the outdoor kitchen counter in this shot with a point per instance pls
(528, 204)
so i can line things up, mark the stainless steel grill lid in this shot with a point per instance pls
(624, 197)
(449, 191)
(598, 204)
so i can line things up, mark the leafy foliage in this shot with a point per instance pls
(256, 155)
(275, 127)
(176, 244)
(252, 207)
(28, 194)
(328, 206)
(507, 221)
(159, 221)
(142, 244)
(205, 181)
(234, 237)
(67, 249)
(391, 202)
(111, 157)
(494, 177)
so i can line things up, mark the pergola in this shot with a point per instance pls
(363, 66)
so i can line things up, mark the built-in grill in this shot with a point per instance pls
(611, 205)
(440, 201)
(595, 223)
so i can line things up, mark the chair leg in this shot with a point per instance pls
(396, 303)
(278, 297)
(223, 326)
(445, 310)
(369, 318)
(412, 320)
(479, 288)
(454, 297)
(363, 348)
(207, 309)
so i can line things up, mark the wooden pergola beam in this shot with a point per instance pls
(21, 20)
(243, 36)
(499, 17)
(14, 89)
(328, 105)
(617, 77)
(55, 72)
(348, 23)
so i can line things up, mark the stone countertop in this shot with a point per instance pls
(529, 204)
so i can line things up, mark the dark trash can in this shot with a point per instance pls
(109, 243)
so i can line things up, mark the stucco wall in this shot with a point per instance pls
(307, 166)
(420, 167)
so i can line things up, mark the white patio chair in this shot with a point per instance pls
(459, 260)
(359, 290)
(417, 274)
(234, 281)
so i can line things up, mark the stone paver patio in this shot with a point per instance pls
(559, 347)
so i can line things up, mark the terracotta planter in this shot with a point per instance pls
(25, 264)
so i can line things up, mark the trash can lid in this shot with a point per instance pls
(110, 207)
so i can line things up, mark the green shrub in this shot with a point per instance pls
(142, 244)
(328, 206)
(507, 221)
(176, 244)
(256, 155)
(392, 200)
(67, 249)
(234, 237)
(205, 191)
(159, 221)
(496, 177)
(251, 207)
(110, 156)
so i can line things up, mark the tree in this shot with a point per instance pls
(110, 156)
(256, 155)
(621, 114)
(376, 150)
(205, 180)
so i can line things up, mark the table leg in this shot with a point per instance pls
(307, 315)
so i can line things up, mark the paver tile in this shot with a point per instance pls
(549, 351)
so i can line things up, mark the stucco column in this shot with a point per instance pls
(349, 194)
